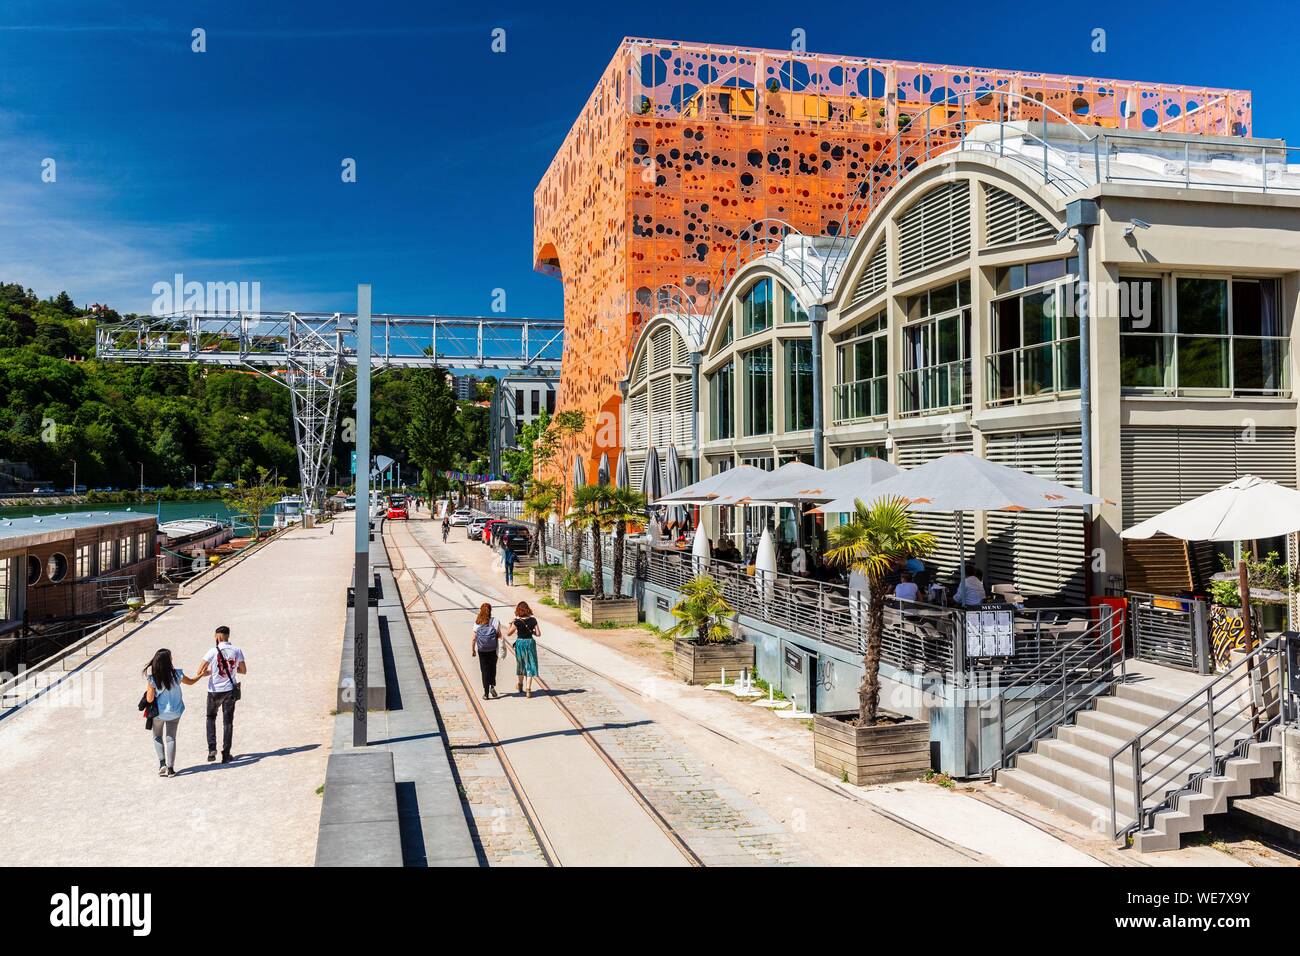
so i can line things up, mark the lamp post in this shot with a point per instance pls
(361, 576)
(141, 464)
(74, 475)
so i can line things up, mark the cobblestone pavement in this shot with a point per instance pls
(722, 826)
(719, 824)
(502, 836)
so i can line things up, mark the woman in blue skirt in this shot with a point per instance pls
(525, 629)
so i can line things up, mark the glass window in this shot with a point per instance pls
(83, 562)
(862, 367)
(1223, 336)
(105, 556)
(142, 545)
(756, 365)
(123, 552)
(936, 355)
(722, 402)
(6, 589)
(1035, 341)
(756, 308)
(793, 311)
(798, 385)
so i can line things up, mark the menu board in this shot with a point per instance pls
(989, 633)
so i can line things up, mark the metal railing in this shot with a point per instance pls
(1031, 371)
(1171, 631)
(936, 388)
(1193, 741)
(865, 398)
(1049, 693)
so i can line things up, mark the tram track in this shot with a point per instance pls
(473, 597)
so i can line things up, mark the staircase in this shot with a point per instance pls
(1159, 565)
(1193, 755)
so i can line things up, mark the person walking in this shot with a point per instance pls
(220, 665)
(525, 629)
(486, 643)
(508, 556)
(164, 689)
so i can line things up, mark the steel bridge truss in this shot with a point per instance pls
(310, 352)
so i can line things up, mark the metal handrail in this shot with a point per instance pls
(1080, 654)
(1201, 710)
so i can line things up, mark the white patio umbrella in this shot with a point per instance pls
(701, 551)
(602, 470)
(621, 477)
(496, 484)
(715, 488)
(1246, 509)
(961, 482)
(853, 479)
(1243, 510)
(653, 489)
(579, 472)
(765, 565)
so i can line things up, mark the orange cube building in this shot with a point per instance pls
(684, 152)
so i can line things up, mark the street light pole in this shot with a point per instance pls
(141, 464)
(361, 579)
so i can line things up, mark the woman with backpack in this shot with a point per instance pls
(163, 691)
(525, 629)
(487, 641)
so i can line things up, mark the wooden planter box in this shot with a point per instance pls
(866, 755)
(703, 663)
(542, 577)
(621, 611)
(565, 597)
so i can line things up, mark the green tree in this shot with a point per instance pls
(253, 498)
(876, 540)
(433, 434)
(622, 506)
(588, 514)
(539, 505)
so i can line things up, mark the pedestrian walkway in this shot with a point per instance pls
(78, 776)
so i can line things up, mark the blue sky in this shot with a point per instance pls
(225, 165)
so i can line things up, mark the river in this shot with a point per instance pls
(165, 511)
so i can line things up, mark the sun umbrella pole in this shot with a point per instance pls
(1243, 585)
(961, 550)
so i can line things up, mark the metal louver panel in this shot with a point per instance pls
(875, 275)
(1009, 219)
(635, 472)
(945, 559)
(1041, 552)
(661, 413)
(661, 347)
(935, 229)
(637, 423)
(639, 372)
(682, 413)
(1163, 466)
(679, 350)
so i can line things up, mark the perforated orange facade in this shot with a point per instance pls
(683, 152)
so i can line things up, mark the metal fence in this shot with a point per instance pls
(1172, 631)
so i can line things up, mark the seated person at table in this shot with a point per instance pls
(906, 589)
(920, 574)
(970, 593)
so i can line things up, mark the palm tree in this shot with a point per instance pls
(623, 505)
(539, 505)
(702, 612)
(589, 503)
(878, 539)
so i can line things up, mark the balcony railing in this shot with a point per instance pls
(863, 399)
(936, 388)
(1032, 372)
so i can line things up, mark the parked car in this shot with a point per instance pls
(489, 529)
(516, 537)
(476, 524)
(462, 516)
(397, 509)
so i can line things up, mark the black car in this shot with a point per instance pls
(516, 537)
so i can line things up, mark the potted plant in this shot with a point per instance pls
(870, 745)
(703, 642)
(568, 589)
(541, 575)
(598, 508)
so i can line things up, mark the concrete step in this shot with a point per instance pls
(1077, 781)
(1147, 692)
(1135, 710)
(1054, 797)
(1097, 741)
(1109, 724)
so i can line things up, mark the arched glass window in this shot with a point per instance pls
(756, 308)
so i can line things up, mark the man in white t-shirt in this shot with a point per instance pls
(970, 593)
(906, 589)
(220, 665)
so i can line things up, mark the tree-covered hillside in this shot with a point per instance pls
(58, 404)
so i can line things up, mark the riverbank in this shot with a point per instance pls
(95, 498)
